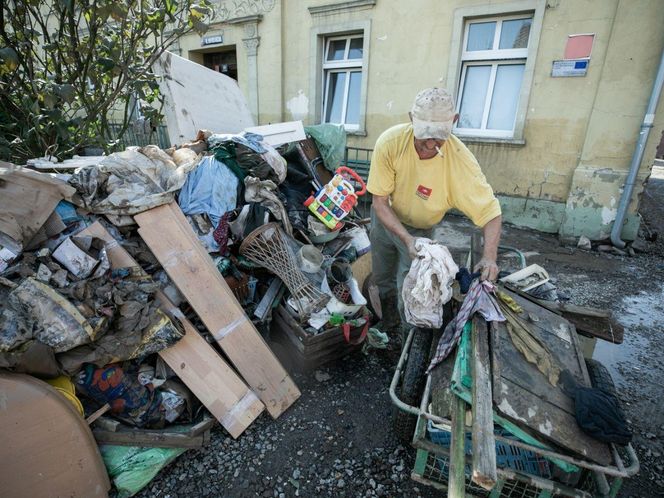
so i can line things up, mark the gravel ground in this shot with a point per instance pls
(337, 440)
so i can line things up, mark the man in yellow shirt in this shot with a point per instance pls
(418, 172)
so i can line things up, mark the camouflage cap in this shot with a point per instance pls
(433, 114)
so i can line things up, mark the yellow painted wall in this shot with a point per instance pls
(572, 124)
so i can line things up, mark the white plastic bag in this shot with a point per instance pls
(428, 285)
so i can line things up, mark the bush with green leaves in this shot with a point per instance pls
(69, 68)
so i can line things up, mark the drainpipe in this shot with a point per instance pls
(637, 156)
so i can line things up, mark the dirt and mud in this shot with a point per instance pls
(337, 440)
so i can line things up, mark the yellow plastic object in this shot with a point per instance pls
(65, 386)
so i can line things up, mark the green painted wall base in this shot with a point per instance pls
(556, 217)
(542, 215)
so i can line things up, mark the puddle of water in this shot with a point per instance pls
(641, 310)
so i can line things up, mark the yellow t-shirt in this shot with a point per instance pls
(422, 191)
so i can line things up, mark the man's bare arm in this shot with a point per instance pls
(386, 216)
(487, 265)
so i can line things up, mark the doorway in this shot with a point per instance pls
(224, 62)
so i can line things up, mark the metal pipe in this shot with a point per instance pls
(637, 156)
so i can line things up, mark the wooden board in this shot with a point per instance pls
(522, 393)
(194, 361)
(168, 234)
(484, 444)
(46, 448)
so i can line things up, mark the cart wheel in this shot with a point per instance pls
(413, 383)
(600, 377)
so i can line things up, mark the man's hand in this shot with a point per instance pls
(489, 269)
(409, 242)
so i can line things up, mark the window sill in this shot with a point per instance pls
(508, 142)
(356, 133)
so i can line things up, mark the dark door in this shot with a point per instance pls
(223, 62)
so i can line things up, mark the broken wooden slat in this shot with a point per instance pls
(149, 438)
(592, 322)
(484, 444)
(98, 413)
(194, 361)
(168, 234)
(457, 474)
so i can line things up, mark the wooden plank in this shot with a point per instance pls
(457, 474)
(522, 393)
(149, 439)
(197, 364)
(98, 413)
(169, 236)
(484, 443)
(591, 322)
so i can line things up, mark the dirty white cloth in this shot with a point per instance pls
(265, 193)
(428, 285)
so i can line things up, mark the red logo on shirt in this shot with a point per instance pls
(423, 192)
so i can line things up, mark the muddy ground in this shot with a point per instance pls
(337, 440)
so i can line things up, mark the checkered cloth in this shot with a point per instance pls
(479, 299)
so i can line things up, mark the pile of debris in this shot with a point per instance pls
(132, 284)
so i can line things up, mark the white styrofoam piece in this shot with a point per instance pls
(198, 98)
(280, 133)
(535, 274)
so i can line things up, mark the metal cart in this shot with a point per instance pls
(526, 467)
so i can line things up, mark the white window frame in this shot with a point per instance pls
(347, 66)
(517, 9)
(494, 57)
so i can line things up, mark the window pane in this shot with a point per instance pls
(353, 107)
(514, 34)
(335, 96)
(473, 97)
(480, 36)
(336, 50)
(355, 51)
(505, 96)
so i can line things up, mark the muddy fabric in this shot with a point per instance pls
(36, 311)
(599, 415)
(220, 233)
(465, 279)
(428, 284)
(210, 189)
(598, 412)
(526, 340)
(478, 300)
(265, 192)
(129, 182)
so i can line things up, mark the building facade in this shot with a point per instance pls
(551, 93)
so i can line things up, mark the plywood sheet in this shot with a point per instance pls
(523, 394)
(197, 364)
(168, 234)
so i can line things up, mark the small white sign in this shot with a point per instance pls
(212, 40)
(569, 68)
